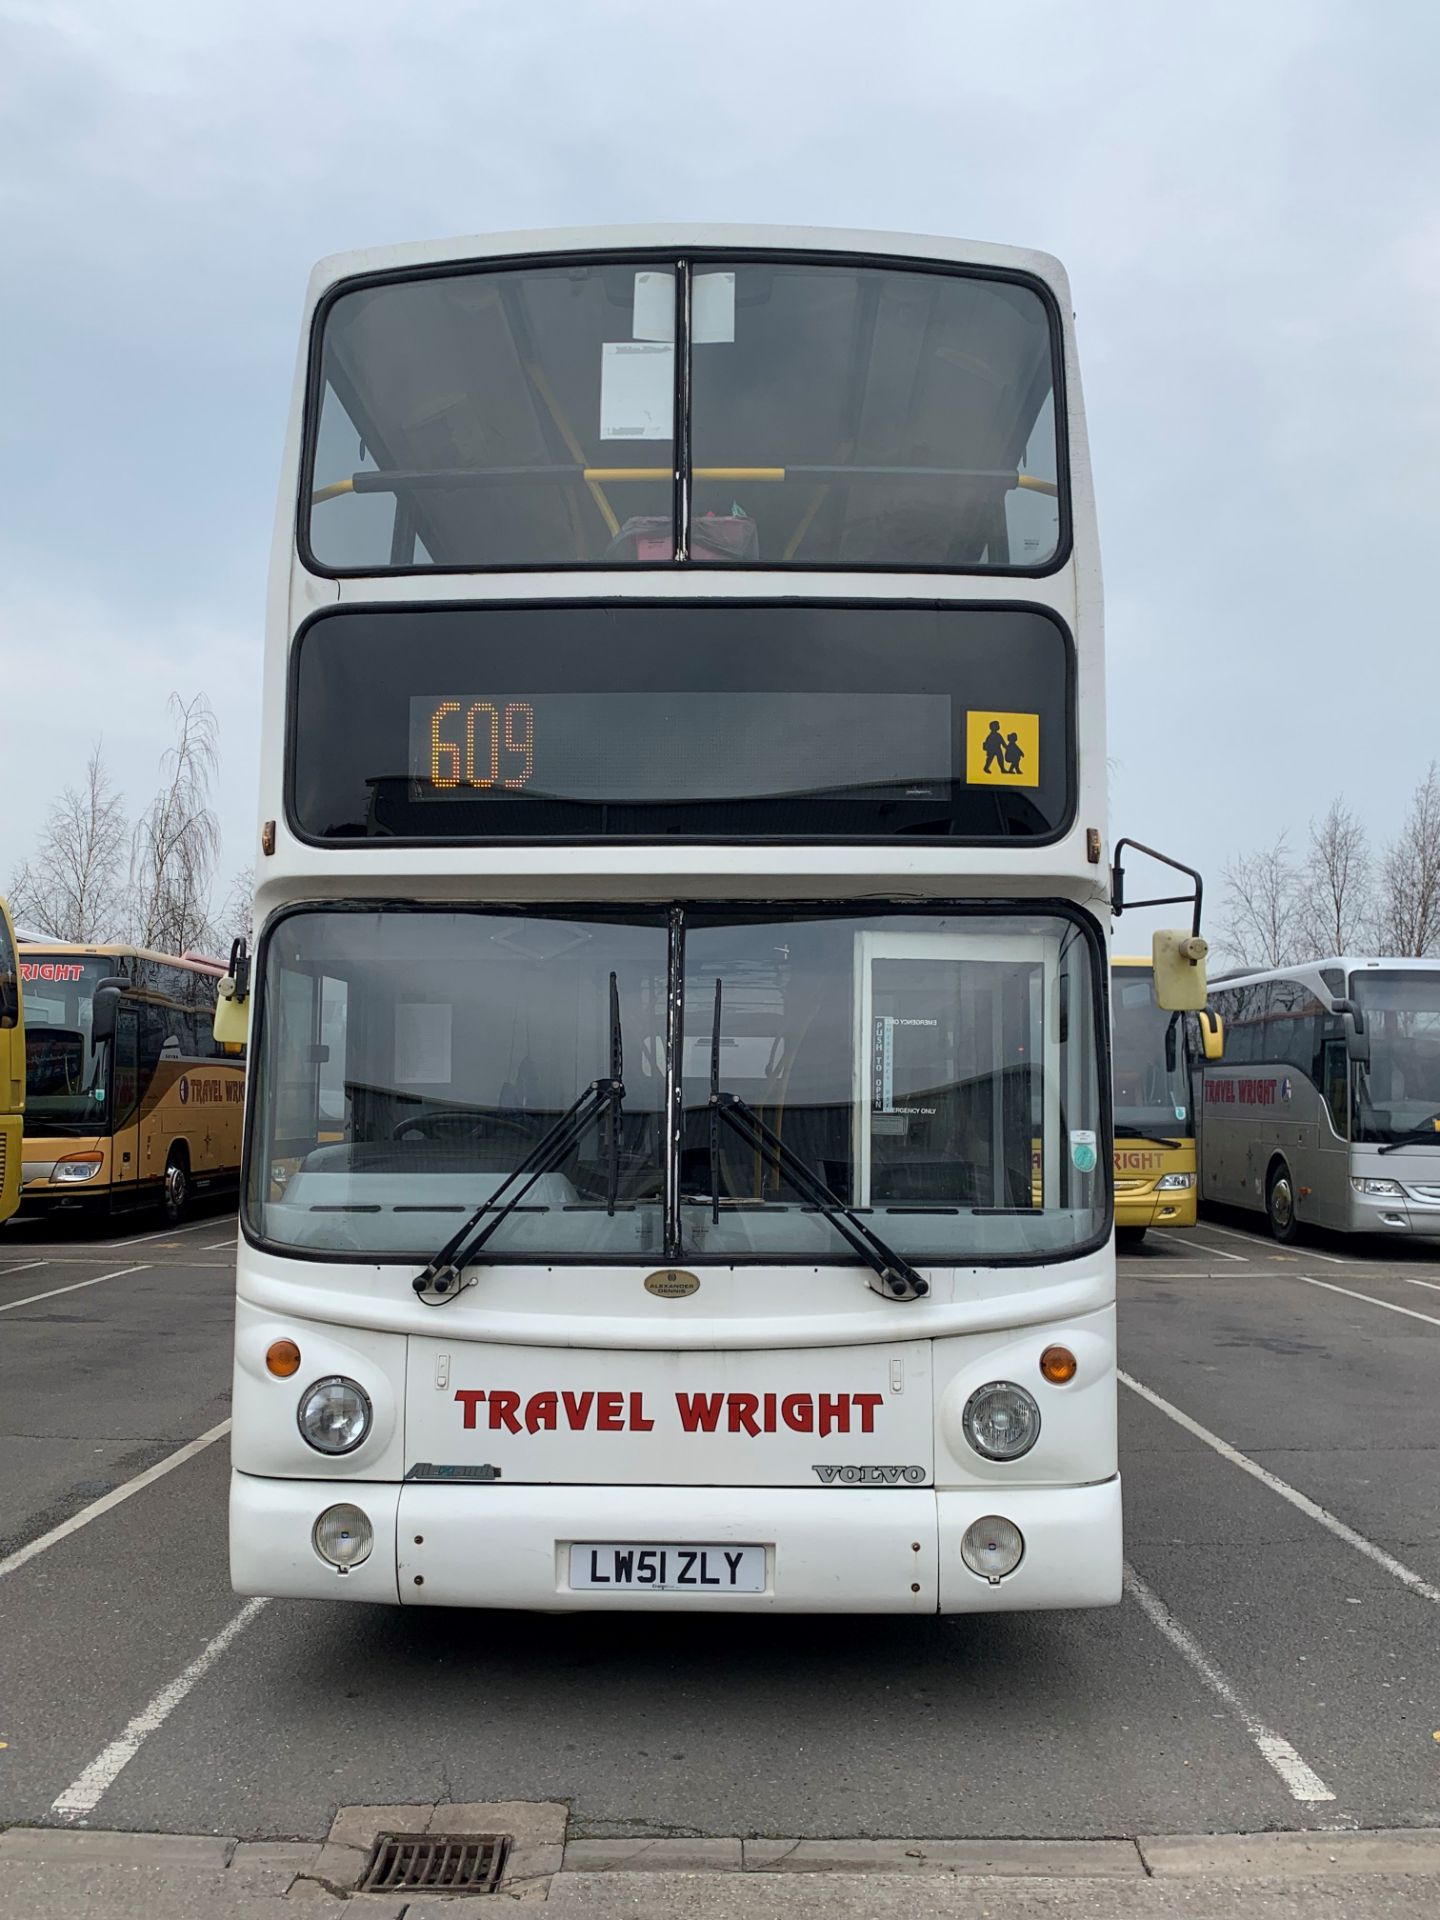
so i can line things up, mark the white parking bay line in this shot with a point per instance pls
(1410, 1313)
(1301, 1782)
(1232, 1233)
(1260, 1242)
(24, 1267)
(1300, 1501)
(211, 1245)
(164, 1233)
(82, 1796)
(1199, 1246)
(74, 1287)
(112, 1499)
(1159, 1272)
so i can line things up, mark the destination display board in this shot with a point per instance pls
(700, 721)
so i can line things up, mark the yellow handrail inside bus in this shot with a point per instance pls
(617, 476)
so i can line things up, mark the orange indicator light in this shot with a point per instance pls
(1058, 1365)
(282, 1357)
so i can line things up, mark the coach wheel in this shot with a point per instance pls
(1127, 1239)
(176, 1194)
(1280, 1204)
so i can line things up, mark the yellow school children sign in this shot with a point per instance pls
(1002, 749)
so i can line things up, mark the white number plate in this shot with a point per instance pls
(608, 1566)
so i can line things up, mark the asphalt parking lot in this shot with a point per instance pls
(1273, 1665)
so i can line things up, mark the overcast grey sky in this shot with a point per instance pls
(1245, 196)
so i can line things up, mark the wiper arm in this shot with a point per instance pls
(441, 1279)
(1417, 1136)
(1123, 1131)
(894, 1276)
(612, 1123)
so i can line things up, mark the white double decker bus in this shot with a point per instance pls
(678, 1167)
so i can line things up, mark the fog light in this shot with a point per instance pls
(334, 1415)
(1001, 1420)
(991, 1547)
(343, 1536)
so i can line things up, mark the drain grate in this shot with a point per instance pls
(435, 1863)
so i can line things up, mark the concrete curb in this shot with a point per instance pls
(541, 1854)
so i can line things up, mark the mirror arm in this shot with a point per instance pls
(1118, 902)
(239, 970)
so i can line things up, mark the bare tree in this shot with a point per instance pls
(71, 887)
(177, 839)
(1408, 910)
(1335, 886)
(233, 920)
(1260, 918)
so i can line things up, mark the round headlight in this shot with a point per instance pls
(992, 1547)
(343, 1536)
(334, 1415)
(1001, 1420)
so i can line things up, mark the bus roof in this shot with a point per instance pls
(115, 950)
(679, 237)
(1350, 963)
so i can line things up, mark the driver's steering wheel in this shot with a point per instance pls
(439, 1126)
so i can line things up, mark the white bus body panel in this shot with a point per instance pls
(888, 1490)
(828, 1550)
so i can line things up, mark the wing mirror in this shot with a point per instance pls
(1357, 1034)
(1178, 960)
(1212, 1035)
(104, 1006)
(231, 1025)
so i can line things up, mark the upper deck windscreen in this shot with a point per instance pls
(834, 415)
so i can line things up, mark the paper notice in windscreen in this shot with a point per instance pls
(637, 390)
(712, 308)
(422, 1043)
(654, 306)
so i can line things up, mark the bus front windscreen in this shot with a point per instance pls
(1398, 1093)
(1152, 1095)
(937, 1072)
(65, 1072)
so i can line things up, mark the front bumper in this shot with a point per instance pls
(1403, 1216)
(832, 1550)
(1173, 1207)
(39, 1202)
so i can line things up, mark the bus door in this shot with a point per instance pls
(12, 1069)
(954, 1106)
(125, 1104)
(1331, 1205)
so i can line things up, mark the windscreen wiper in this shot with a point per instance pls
(1427, 1131)
(1123, 1131)
(894, 1276)
(442, 1278)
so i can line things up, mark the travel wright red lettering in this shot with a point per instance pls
(612, 1411)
